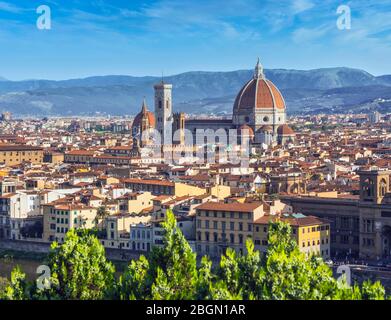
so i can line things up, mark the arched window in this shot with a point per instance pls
(366, 188)
(383, 187)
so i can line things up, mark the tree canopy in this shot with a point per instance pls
(80, 270)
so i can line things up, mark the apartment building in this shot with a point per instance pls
(311, 234)
(360, 225)
(163, 187)
(11, 155)
(222, 225)
(13, 210)
(135, 202)
(60, 218)
(119, 228)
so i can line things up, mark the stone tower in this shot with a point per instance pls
(179, 124)
(374, 185)
(163, 111)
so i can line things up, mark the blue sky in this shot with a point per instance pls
(135, 37)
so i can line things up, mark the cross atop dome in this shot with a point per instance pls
(258, 73)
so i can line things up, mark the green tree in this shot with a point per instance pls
(4, 283)
(18, 287)
(79, 269)
(134, 283)
(170, 272)
(101, 214)
(174, 265)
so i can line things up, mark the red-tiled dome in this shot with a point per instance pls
(144, 114)
(259, 93)
(285, 130)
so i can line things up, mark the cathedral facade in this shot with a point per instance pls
(259, 108)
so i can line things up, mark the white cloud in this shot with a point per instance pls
(301, 5)
(301, 35)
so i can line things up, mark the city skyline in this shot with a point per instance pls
(147, 38)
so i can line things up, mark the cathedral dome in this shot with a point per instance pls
(144, 120)
(285, 130)
(258, 93)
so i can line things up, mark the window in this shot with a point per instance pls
(345, 239)
(232, 238)
(232, 225)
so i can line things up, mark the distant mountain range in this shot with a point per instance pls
(312, 91)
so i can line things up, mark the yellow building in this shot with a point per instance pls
(222, 225)
(311, 234)
(16, 154)
(60, 218)
(164, 187)
(118, 228)
(53, 157)
(135, 202)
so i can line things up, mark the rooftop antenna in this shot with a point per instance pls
(162, 76)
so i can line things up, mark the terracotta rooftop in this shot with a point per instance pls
(230, 207)
(150, 182)
(293, 221)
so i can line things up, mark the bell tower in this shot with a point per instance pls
(163, 111)
(374, 185)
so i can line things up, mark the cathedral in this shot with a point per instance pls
(259, 108)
